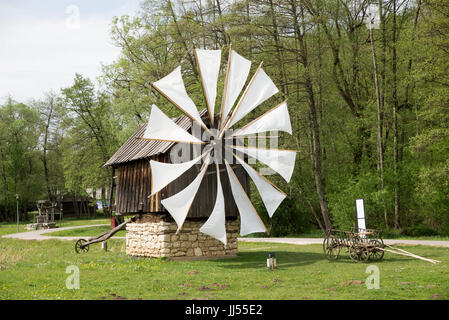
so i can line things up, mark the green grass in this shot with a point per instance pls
(82, 222)
(37, 270)
(85, 232)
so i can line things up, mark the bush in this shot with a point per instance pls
(421, 230)
(290, 218)
(391, 233)
(342, 202)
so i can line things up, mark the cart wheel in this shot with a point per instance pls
(364, 255)
(358, 254)
(81, 247)
(331, 248)
(353, 254)
(377, 254)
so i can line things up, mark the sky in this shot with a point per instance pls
(44, 43)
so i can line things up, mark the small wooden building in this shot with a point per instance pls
(80, 207)
(131, 164)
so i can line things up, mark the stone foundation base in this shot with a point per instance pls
(157, 238)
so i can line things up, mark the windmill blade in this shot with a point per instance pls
(179, 204)
(258, 90)
(172, 87)
(271, 195)
(275, 119)
(215, 226)
(236, 74)
(281, 161)
(208, 62)
(250, 221)
(160, 127)
(164, 173)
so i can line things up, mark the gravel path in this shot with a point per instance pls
(303, 241)
(40, 235)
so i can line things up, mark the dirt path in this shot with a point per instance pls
(40, 234)
(303, 241)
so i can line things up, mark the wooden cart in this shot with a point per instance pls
(362, 245)
(82, 245)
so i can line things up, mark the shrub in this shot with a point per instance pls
(422, 230)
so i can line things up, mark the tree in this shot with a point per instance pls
(90, 137)
(50, 115)
(20, 169)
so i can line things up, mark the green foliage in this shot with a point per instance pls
(90, 139)
(342, 202)
(291, 218)
(432, 192)
(20, 167)
(421, 230)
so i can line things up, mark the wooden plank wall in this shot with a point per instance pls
(133, 189)
(204, 202)
(134, 181)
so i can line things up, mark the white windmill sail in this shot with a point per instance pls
(237, 73)
(215, 226)
(260, 89)
(209, 68)
(250, 221)
(172, 87)
(281, 161)
(179, 204)
(163, 173)
(275, 119)
(271, 196)
(161, 127)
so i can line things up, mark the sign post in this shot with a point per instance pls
(360, 215)
(17, 198)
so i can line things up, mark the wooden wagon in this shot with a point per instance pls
(362, 244)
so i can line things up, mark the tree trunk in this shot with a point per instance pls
(380, 157)
(183, 41)
(313, 120)
(395, 123)
(45, 149)
(277, 43)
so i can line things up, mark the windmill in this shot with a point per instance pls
(219, 133)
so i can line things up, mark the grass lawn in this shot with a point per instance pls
(37, 270)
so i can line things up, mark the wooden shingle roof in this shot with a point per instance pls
(135, 148)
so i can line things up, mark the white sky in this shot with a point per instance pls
(43, 44)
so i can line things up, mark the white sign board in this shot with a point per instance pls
(360, 214)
